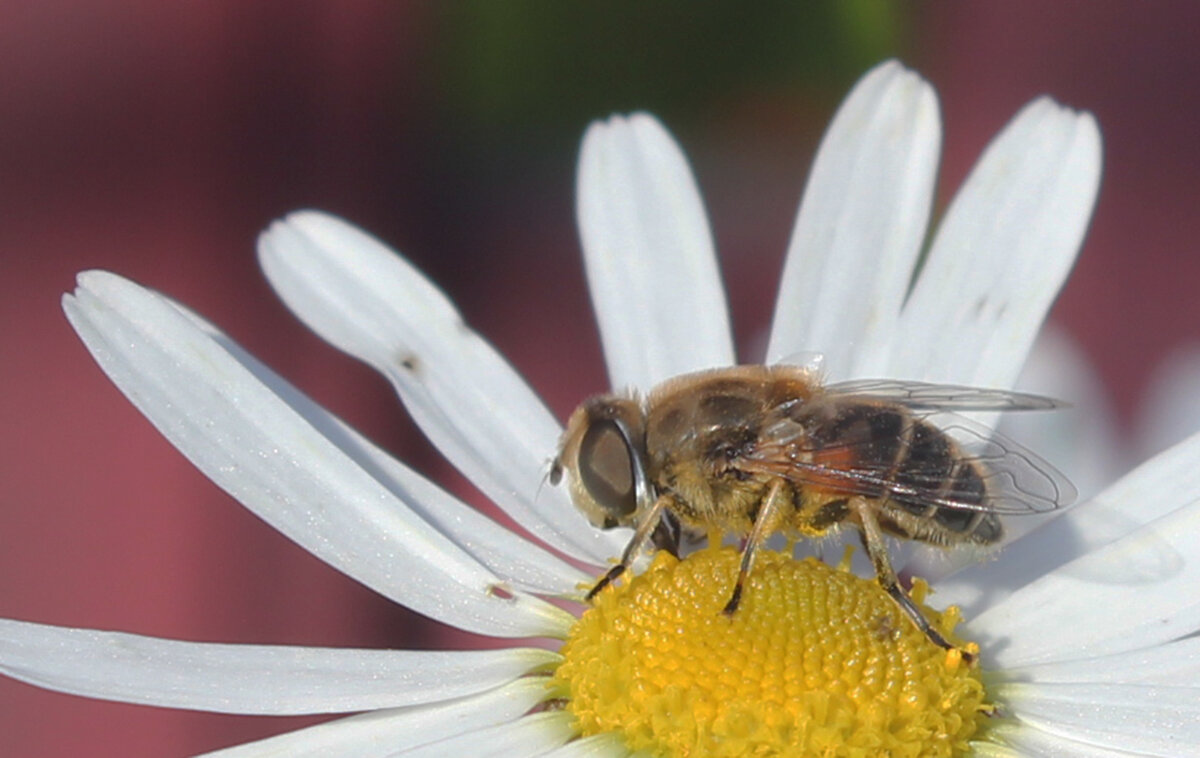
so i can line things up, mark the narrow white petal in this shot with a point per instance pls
(1002, 252)
(1133, 593)
(599, 746)
(649, 255)
(386, 732)
(992, 750)
(530, 736)
(1175, 664)
(1142, 719)
(368, 301)
(1170, 409)
(253, 445)
(1158, 487)
(1081, 440)
(861, 225)
(513, 558)
(1024, 741)
(258, 679)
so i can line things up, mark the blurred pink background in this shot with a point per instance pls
(156, 140)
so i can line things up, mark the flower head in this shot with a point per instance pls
(1083, 626)
(815, 662)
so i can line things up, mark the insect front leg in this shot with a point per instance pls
(872, 539)
(667, 534)
(765, 522)
(643, 532)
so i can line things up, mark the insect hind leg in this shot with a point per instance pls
(873, 543)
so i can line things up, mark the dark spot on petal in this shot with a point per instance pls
(496, 590)
(410, 362)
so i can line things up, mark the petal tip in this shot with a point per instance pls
(890, 90)
(886, 69)
(98, 280)
(1078, 127)
(306, 221)
(892, 73)
(1046, 108)
(622, 126)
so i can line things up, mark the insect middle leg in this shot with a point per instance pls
(765, 523)
(872, 539)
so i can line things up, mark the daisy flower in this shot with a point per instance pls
(1083, 625)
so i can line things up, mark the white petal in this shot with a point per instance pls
(1173, 664)
(1002, 252)
(513, 558)
(368, 301)
(1160, 486)
(992, 750)
(649, 255)
(1170, 410)
(599, 746)
(1081, 440)
(258, 679)
(254, 446)
(1024, 741)
(861, 224)
(530, 736)
(383, 733)
(1143, 719)
(1133, 593)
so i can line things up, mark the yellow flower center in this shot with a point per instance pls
(815, 662)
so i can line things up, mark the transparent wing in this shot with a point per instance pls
(924, 396)
(914, 459)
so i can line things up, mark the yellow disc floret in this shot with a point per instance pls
(815, 662)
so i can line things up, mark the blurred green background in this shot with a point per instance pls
(547, 67)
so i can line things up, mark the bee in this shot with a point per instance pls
(755, 450)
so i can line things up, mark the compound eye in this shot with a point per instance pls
(606, 469)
